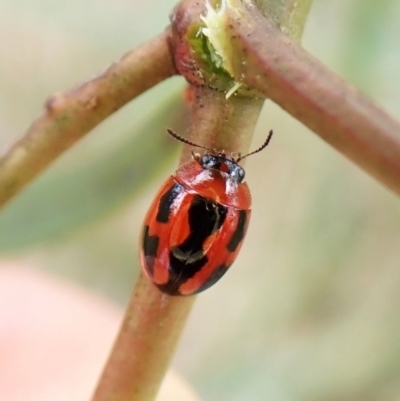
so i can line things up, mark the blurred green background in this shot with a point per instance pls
(311, 309)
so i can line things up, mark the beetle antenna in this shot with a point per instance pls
(181, 139)
(264, 145)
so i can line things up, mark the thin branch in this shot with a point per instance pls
(145, 345)
(288, 15)
(69, 116)
(284, 72)
(220, 123)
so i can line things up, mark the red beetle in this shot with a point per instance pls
(195, 226)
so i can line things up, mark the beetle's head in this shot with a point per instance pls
(221, 162)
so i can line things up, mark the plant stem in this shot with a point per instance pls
(69, 116)
(220, 123)
(283, 71)
(288, 15)
(145, 345)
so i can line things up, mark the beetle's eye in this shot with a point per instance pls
(205, 159)
(241, 173)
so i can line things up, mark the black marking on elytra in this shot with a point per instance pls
(169, 288)
(150, 248)
(215, 276)
(205, 217)
(238, 234)
(166, 201)
(180, 272)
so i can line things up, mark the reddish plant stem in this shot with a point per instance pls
(69, 116)
(145, 345)
(220, 123)
(284, 72)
